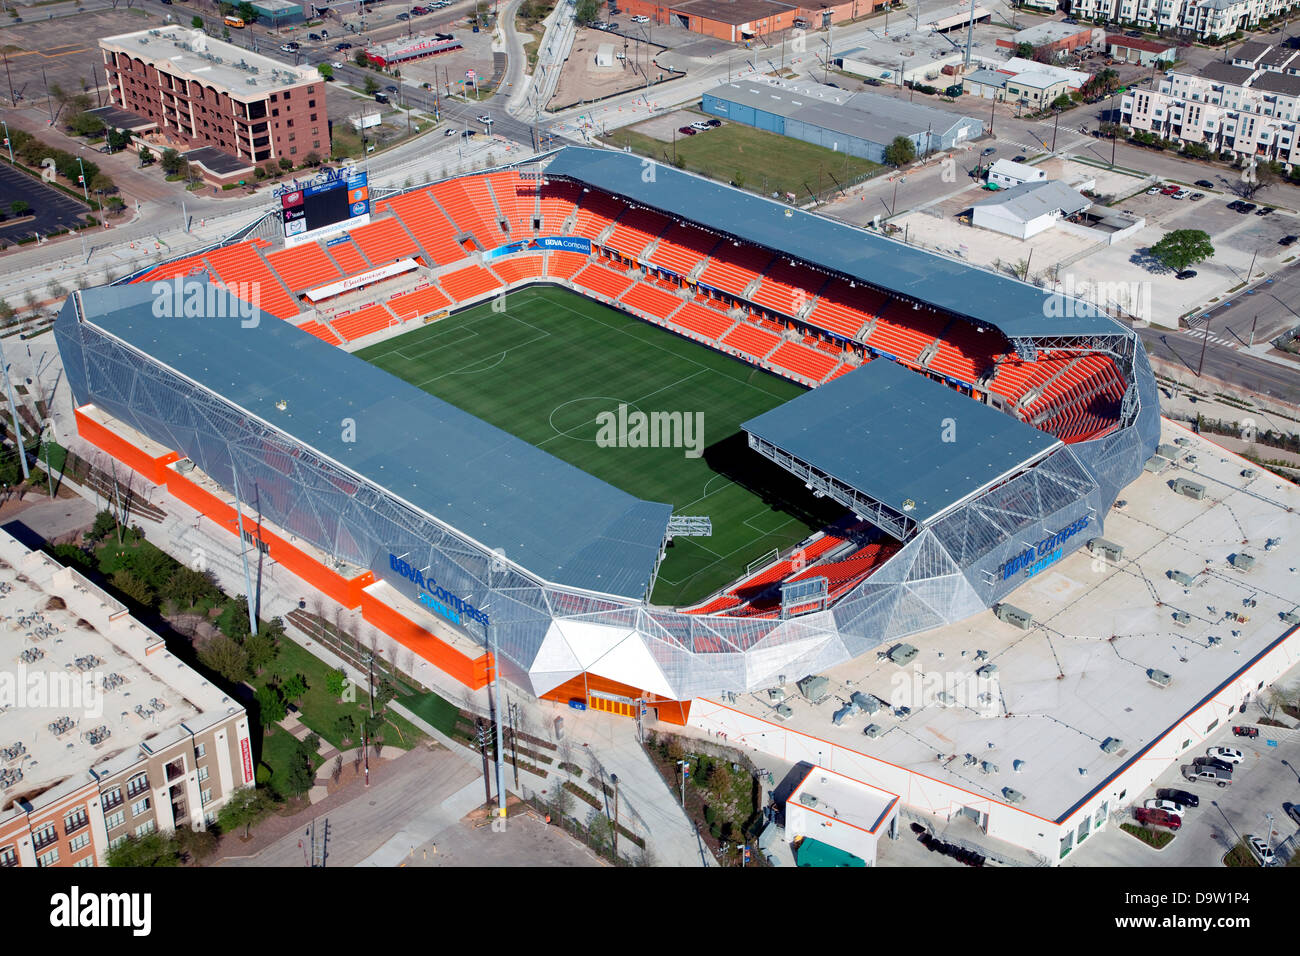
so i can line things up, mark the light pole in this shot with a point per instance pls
(8, 142)
(84, 191)
(614, 779)
(686, 772)
(13, 410)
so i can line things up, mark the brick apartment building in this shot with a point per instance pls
(190, 91)
(737, 21)
(154, 747)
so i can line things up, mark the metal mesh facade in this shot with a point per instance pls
(549, 634)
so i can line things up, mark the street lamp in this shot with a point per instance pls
(614, 779)
(686, 772)
(84, 191)
(8, 142)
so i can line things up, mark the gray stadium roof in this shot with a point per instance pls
(1015, 308)
(880, 429)
(548, 516)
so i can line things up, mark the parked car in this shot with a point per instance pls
(686, 130)
(1181, 797)
(289, 47)
(701, 126)
(1260, 850)
(1169, 190)
(988, 151)
(1154, 191)
(1196, 197)
(1170, 805)
(1236, 204)
(1200, 774)
(1246, 208)
(1204, 184)
(1182, 194)
(324, 34)
(1020, 159)
(390, 89)
(313, 36)
(638, 18)
(1264, 210)
(1133, 34)
(1293, 811)
(340, 47)
(714, 123)
(1185, 274)
(1213, 763)
(1226, 754)
(337, 65)
(1287, 240)
(1251, 732)
(1157, 818)
(403, 15)
(1070, 20)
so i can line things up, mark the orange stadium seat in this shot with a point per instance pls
(468, 283)
(651, 300)
(559, 197)
(364, 321)
(604, 281)
(596, 212)
(427, 223)
(421, 302)
(320, 331)
(518, 268)
(565, 265)
(304, 266)
(682, 248)
(349, 258)
(803, 361)
(383, 241)
(732, 267)
(240, 263)
(706, 322)
(751, 341)
(635, 230)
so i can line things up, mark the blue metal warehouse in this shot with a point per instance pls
(860, 124)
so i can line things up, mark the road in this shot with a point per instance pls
(1280, 382)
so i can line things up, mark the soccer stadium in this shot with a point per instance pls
(646, 436)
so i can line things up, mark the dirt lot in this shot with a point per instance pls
(581, 79)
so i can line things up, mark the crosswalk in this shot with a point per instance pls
(1196, 330)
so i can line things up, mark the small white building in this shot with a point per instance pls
(840, 812)
(1007, 175)
(1028, 209)
(605, 55)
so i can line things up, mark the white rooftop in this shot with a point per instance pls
(1079, 675)
(83, 664)
(196, 56)
(843, 798)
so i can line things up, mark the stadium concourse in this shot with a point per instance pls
(391, 500)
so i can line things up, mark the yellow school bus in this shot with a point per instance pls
(236, 22)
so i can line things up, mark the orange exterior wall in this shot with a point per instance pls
(576, 688)
(473, 673)
(154, 469)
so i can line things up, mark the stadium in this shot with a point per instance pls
(419, 423)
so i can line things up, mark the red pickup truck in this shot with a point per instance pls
(1157, 818)
(1245, 731)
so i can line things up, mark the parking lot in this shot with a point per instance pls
(1267, 777)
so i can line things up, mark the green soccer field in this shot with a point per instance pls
(552, 361)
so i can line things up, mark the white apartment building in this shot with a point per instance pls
(1249, 105)
(1204, 19)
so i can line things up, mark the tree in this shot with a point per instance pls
(84, 124)
(361, 60)
(293, 688)
(187, 587)
(286, 163)
(1182, 248)
(172, 162)
(371, 87)
(146, 156)
(271, 705)
(325, 70)
(20, 207)
(1255, 179)
(247, 12)
(1025, 51)
(301, 774)
(133, 587)
(900, 152)
(104, 525)
(262, 649)
(194, 845)
(346, 727)
(245, 807)
(226, 657)
(336, 682)
(312, 159)
(197, 23)
(152, 849)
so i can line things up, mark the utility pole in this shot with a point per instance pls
(49, 103)
(686, 772)
(614, 779)
(243, 552)
(13, 410)
(482, 749)
(1252, 329)
(1204, 342)
(992, 111)
(1056, 123)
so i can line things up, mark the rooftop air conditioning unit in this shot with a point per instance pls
(1159, 677)
(903, 654)
(1012, 796)
(1242, 561)
(988, 767)
(1111, 744)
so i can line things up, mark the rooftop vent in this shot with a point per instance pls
(1159, 677)
(1012, 796)
(1111, 744)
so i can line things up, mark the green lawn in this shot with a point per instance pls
(552, 361)
(751, 158)
(319, 710)
(439, 713)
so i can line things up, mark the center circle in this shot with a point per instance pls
(578, 417)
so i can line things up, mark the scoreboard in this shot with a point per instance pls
(325, 208)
